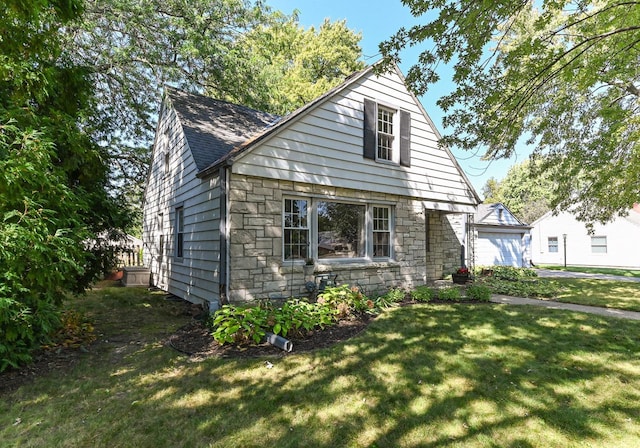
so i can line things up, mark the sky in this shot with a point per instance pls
(377, 20)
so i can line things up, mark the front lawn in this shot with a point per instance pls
(609, 271)
(594, 292)
(454, 375)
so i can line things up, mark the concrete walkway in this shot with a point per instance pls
(634, 315)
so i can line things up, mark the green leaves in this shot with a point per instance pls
(561, 76)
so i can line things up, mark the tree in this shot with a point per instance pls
(527, 196)
(233, 50)
(53, 195)
(490, 191)
(560, 74)
(290, 66)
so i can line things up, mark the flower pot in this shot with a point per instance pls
(308, 269)
(460, 279)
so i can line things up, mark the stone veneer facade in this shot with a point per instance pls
(257, 269)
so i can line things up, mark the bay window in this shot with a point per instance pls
(333, 230)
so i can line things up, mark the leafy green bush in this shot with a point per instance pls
(451, 294)
(511, 273)
(244, 325)
(422, 294)
(24, 326)
(479, 292)
(239, 325)
(522, 288)
(346, 300)
(296, 316)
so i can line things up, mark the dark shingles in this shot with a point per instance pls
(213, 127)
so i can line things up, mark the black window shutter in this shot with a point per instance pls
(405, 138)
(370, 118)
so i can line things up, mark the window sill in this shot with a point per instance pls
(326, 265)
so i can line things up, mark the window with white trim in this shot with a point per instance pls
(332, 230)
(381, 231)
(179, 229)
(385, 136)
(552, 243)
(387, 133)
(599, 244)
(296, 229)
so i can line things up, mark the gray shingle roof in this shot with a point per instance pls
(213, 127)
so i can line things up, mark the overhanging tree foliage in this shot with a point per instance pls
(53, 195)
(526, 196)
(563, 75)
(235, 50)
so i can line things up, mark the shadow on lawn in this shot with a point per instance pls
(419, 376)
(424, 375)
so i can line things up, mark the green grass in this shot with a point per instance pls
(594, 292)
(609, 271)
(449, 375)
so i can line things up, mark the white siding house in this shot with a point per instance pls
(500, 238)
(559, 237)
(237, 201)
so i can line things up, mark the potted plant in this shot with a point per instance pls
(309, 267)
(461, 276)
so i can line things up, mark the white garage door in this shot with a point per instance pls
(498, 249)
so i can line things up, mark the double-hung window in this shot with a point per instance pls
(179, 232)
(333, 230)
(387, 133)
(386, 138)
(381, 231)
(296, 229)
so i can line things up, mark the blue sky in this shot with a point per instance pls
(377, 20)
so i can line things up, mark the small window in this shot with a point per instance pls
(161, 239)
(179, 232)
(385, 134)
(166, 163)
(553, 243)
(381, 232)
(296, 229)
(599, 244)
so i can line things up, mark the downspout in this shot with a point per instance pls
(224, 235)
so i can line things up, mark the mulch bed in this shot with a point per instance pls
(195, 340)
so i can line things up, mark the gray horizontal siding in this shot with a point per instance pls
(325, 147)
(194, 277)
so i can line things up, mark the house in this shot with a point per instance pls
(238, 201)
(500, 239)
(561, 239)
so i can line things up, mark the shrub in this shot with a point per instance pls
(523, 288)
(238, 325)
(479, 292)
(245, 325)
(451, 294)
(346, 300)
(512, 273)
(422, 294)
(24, 326)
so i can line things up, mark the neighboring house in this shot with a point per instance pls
(237, 200)
(615, 244)
(500, 239)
